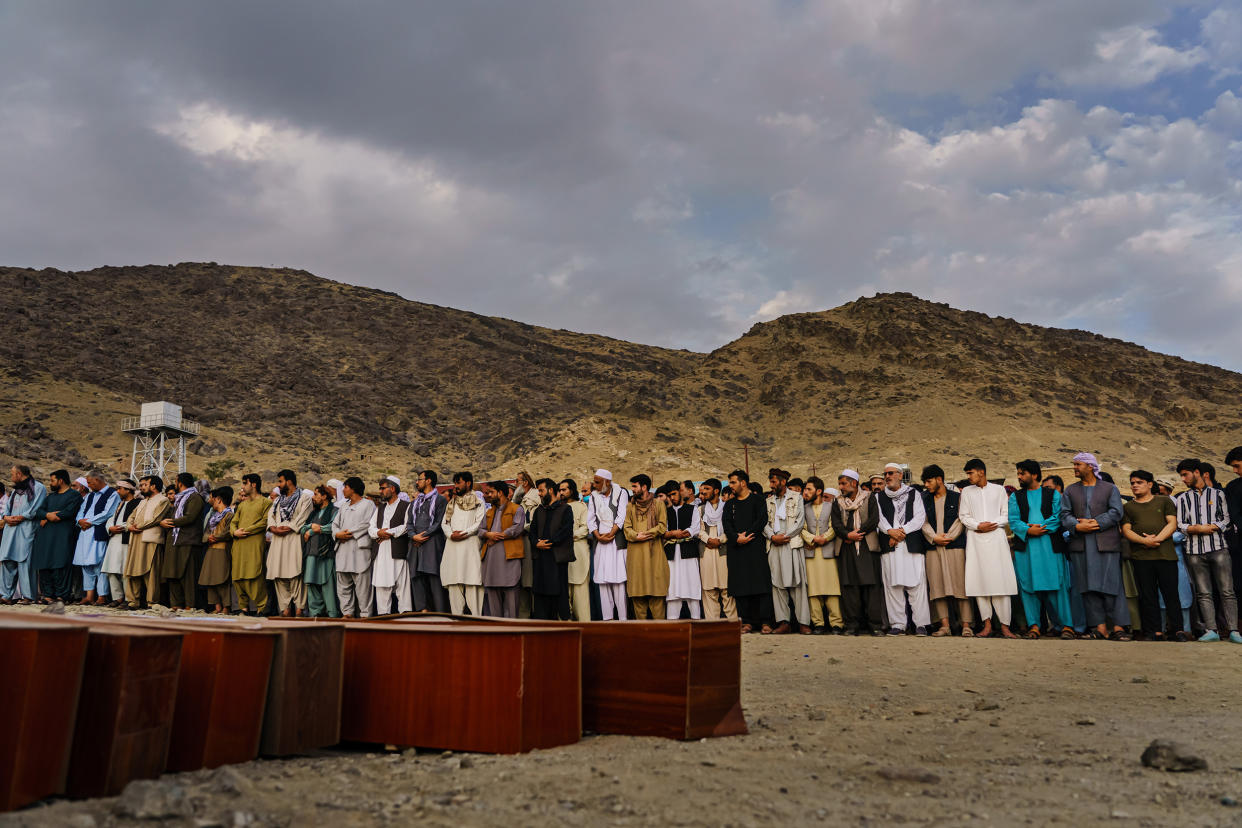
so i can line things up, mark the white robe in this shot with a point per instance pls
(114, 557)
(387, 571)
(461, 563)
(899, 566)
(989, 564)
(609, 560)
(683, 573)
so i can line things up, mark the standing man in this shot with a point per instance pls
(427, 544)
(1035, 519)
(284, 555)
(1091, 510)
(688, 494)
(248, 527)
(53, 546)
(503, 550)
(990, 578)
(855, 518)
(390, 569)
(113, 566)
(461, 570)
(681, 551)
(646, 568)
(351, 528)
(606, 512)
(902, 565)
(1233, 502)
(713, 563)
(750, 578)
(579, 570)
(98, 506)
(946, 553)
(22, 512)
(552, 547)
(145, 559)
(1148, 523)
(319, 547)
(185, 542)
(216, 574)
(819, 544)
(786, 562)
(1203, 516)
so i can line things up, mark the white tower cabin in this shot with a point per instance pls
(159, 439)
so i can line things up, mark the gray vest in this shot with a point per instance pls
(1106, 540)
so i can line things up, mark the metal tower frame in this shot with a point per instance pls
(156, 445)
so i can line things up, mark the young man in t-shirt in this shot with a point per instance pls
(1149, 522)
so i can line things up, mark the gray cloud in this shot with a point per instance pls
(660, 172)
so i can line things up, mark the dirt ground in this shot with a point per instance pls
(853, 731)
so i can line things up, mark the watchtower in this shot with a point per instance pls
(159, 439)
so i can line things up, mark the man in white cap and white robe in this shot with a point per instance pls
(902, 562)
(605, 519)
(389, 530)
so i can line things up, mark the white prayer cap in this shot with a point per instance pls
(604, 473)
(81, 481)
(833, 492)
(851, 474)
(393, 479)
(275, 490)
(335, 484)
(892, 467)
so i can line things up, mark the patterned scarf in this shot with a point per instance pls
(179, 510)
(465, 502)
(287, 503)
(213, 520)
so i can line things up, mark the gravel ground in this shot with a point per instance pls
(843, 731)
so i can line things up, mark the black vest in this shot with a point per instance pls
(101, 531)
(1024, 511)
(680, 517)
(399, 546)
(952, 504)
(914, 540)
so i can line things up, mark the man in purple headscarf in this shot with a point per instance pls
(1092, 510)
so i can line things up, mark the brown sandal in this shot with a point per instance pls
(1033, 633)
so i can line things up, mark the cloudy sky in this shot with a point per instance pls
(668, 171)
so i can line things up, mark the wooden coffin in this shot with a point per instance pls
(43, 666)
(305, 692)
(222, 691)
(125, 713)
(677, 679)
(462, 686)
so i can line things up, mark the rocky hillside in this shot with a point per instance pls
(284, 368)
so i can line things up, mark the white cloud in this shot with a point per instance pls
(1130, 57)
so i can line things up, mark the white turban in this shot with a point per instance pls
(335, 485)
(833, 492)
(851, 474)
(604, 473)
(394, 480)
(893, 467)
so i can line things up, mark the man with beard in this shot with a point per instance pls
(503, 550)
(785, 559)
(183, 552)
(1035, 517)
(552, 547)
(100, 503)
(1203, 516)
(646, 568)
(750, 577)
(946, 553)
(390, 571)
(681, 550)
(579, 569)
(427, 544)
(22, 512)
(284, 554)
(144, 560)
(713, 565)
(461, 569)
(351, 528)
(902, 564)
(53, 543)
(606, 513)
(823, 583)
(1091, 509)
(248, 527)
(855, 518)
(118, 541)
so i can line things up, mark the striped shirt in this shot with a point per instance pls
(1206, 505)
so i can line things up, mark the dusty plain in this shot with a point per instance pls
(843, 731)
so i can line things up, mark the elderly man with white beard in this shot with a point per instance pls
(902, 562)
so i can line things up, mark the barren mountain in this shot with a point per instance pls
(284, 368)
